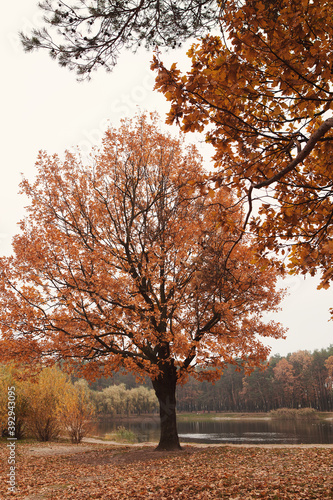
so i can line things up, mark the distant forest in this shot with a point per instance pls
(300, 379)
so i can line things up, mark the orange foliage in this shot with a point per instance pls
(285, 378)
(265, 90)
(329, 366)
(122, 259)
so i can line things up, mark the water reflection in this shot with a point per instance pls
(230, 431)
(260, 431)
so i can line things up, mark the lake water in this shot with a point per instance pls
(231, 431)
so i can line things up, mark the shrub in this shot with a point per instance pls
(46, 404)
(293, 414)
(76, 411)
(45, 396)
(126, 435)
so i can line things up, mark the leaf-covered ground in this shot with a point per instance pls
(110, 472)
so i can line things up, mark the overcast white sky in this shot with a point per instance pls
(44, 107)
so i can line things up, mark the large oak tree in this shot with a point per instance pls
(125, 263)
(264, 94)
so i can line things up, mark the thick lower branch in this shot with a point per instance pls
(315, 137)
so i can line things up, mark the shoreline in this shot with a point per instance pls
(211, 445)
(91, 444)
(207, 416)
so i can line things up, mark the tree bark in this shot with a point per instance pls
(165, 389)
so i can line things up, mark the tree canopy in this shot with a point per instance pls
(126, 263)
(263, 88)
(263, 92)
(86, 35)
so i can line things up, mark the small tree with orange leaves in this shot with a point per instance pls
(76, 411)
(125, 263)
(46, 395)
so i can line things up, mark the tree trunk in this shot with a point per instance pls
(165, 389)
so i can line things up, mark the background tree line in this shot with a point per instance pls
(300, 379)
